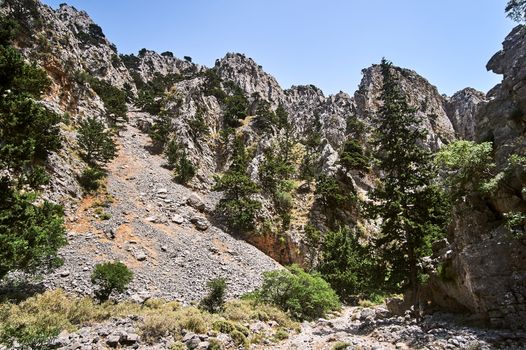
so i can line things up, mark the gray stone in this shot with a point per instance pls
(178, 219)
(113, 340)
(140, 255)
(195, 202)
(200, 223)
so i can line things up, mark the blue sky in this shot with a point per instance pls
(325, 43)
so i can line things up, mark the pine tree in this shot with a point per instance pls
(237, 204)
(516, 10)
(410, 207)
(352, 157)
(31, 229)
(96, 143)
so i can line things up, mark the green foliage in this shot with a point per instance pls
(28, 337)
(27, 16)
(466, 166)
(184, 169)
(187, 58)
(516, 10)
(93, 36)
(95, 142)
(329, 192)
(348, 266)
(274, 169)
(355, 128)
(235, 109)
(274, 172)
(413, 211)
(172, 152)
(341, 346)
(151, 93)
(31, 229)
(110, 276)
(215, 299)
(237, 205)
(90, 179)
(265, 119)
(197, 125)
(352, 157)
(177, 159)
(30, 234)
(277, 167)
(160, 131)
(114, 100)
(212, 85)
(28, 130)
(310, 165)
(515, 221)
(303, 295)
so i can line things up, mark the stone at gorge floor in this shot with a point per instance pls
(375, 329)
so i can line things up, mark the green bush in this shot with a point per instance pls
(30, 234)
(303, 295)
(197, 125)
(110, 276)
(172, 153)
(215, 299)
(114, 100)
(36, 336)
(95, 142)
(237, 205)
(466, 165)
(31, 229)
(90, 179)
(184, 169)
(160, 131)
(352, 157)
(347, 265)
(236, 107)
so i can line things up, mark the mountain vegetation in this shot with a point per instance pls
(258, 207)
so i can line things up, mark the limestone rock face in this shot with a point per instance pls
(429, 104)
(250, 77)
(487, 259)
(488, 265)
(150, 63)
(462, 108)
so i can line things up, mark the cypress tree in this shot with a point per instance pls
(412, 210)
(237, 205)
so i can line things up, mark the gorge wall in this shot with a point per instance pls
(488, 263)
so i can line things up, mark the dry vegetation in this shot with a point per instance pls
(53, 311)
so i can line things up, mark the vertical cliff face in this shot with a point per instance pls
(487, 256)
(462, 109)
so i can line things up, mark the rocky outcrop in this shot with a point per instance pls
(462, 109)
(150, 63)
(486, 261)
(429, 104)
(250, 77)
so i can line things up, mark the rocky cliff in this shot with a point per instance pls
(486, 257)
(158, 226)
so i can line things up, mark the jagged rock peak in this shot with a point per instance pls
(305, 91)
(420, 94)
(462, 108)
(250, 77)
(149, 63)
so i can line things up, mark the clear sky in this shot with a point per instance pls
(325, 43)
